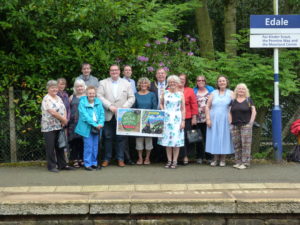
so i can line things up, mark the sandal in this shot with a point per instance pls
(168, 165)
(81, 163)
(139, 162)
(147, 162)
(76, 164)
(174, 165)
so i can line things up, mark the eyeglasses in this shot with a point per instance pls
(200, 80)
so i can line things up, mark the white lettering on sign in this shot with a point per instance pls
(276, 22)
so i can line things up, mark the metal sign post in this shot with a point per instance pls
(276, 112)
(275, 31)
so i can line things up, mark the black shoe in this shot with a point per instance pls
(129, 162)
(54, 170)
(96, 167)
(68, 168)
(185, 163)
(88, 168)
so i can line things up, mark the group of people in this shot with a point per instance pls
(224, 117)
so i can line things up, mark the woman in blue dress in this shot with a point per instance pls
(172, 102)
(218, 139)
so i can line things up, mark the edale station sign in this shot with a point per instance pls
(274, 31)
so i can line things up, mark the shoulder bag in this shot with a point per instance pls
(194, 135)
(62, 139)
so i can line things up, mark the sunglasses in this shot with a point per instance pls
(200, 80)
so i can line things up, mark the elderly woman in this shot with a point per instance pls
(144, 99)
(191, 112)
(218, 139)
(91, 120)
(62, 84)
(202, 92)
(53, 119)
(75, 140)
(242, 116)
(172, 102)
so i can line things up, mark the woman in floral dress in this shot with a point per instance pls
(172, 102)
(202, 92)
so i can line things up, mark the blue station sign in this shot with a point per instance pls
(275, 21)
(274, 24)
(274, 31)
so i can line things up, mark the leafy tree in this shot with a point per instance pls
(230, 26)
(204, 28)
(46, 39)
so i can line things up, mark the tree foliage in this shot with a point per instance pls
(49, 38)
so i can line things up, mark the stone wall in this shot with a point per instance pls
(194, 204)
(262, 219)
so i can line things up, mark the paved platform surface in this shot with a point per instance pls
(152, 174)
(234, 198)
(133, 190)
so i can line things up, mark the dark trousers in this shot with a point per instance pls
(54, 155)
(76, 146)
(129, 154)
(158, 154)
(110, 138)
(185, 150)
(200, 146)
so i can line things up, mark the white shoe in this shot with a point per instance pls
(242, 167)
(236, 165)
(199, 161)
(222, 164)
(214, 163)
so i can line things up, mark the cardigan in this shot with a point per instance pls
(86, 111)
(191, 106)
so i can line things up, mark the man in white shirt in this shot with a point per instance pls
(114, 92)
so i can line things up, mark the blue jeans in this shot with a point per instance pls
(111, 138)
(90, 151)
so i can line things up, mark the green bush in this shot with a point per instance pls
(47, 39)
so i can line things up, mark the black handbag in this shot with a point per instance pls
(194, 135)
(294, 156)
(94, 130)
(62, 139)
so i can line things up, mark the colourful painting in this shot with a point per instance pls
(140, 122)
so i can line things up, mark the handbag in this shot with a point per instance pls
(194, 135)
(94, 130)
(62, 139)
(294, 156)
